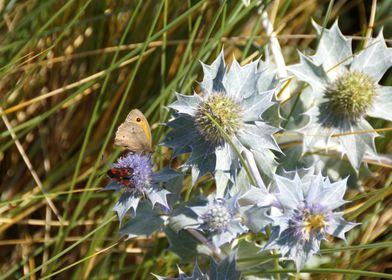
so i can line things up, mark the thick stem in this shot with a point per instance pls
(253, 168)
(215, 251)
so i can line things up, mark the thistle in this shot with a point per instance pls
(197, 274)
(306, 215)
(225, 269)
(221, 219)
(229, 106)
(133, 174)
(345, 91)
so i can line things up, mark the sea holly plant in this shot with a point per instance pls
(224, 269)
(133, 174)
(306, 215)
(220, 218)
(345, 90)
(227, 113)
(224, 128)
(197, 274)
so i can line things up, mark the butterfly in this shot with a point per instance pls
(134, 133)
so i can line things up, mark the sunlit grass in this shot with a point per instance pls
(70, 71)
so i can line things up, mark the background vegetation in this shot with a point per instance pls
(70, 71)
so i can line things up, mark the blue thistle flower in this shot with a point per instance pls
(221, 219)
(142, 171)
(235, 100)
(345, 90)
(133, 173)
(306, 215)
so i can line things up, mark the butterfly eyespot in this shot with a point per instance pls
(138, 119)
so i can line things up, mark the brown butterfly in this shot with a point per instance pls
(134, 133)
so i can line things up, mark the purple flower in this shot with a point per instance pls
(133, 173)
(142, 171)
(305, 215)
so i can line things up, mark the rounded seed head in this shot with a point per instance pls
(226, 113)
(217, 218)
(350, 95)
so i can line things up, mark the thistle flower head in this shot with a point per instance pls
(221, 219)
(142, 171)
(310, 220)
(350, 96)
(224, 111)
(218, 216)
(133, 173)
(345, 90)
(231, 104)
(305, 215)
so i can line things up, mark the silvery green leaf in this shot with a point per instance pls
(249, 256)
(241, 184)
(186, 104)
(313, 74)
(266, 163)
(225, 269)
(253, 105)
(332, 194)
(382, 104)
(185, 245)
(272, 115)
(241, 82)
(138, 225)
(165, 175)
(158, 196)
(197, 274)
(268, 78)
(290, 191)
(329, 164)
(317, 134)
(184, 217)
(222, 181)
(170, 180)
(126, 202)
(333, 48)
(357, 145)
(340, 228)
(375, 59)
(182, 135)
(256, 218)
(291, 159)
(255, 196)
(222, 238)
(202, 160)
(213, 75)
(224, 157)
(258, 137)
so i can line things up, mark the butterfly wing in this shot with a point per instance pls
(122, 176)
(137, 117)
(132, 137)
